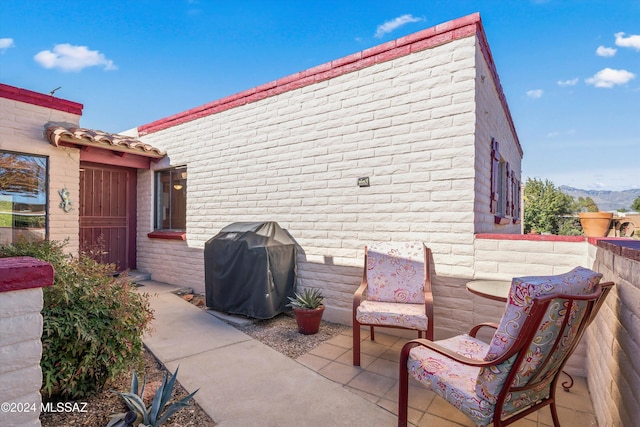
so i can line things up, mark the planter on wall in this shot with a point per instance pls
(595, 224)
(308, 319)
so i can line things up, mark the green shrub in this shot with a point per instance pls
(93, 322)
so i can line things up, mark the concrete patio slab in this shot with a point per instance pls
(181, 329)
(243, 382)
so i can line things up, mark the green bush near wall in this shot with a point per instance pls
(93, 323)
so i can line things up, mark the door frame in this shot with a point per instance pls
(131, 200)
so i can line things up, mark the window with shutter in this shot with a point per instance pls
(504, 201)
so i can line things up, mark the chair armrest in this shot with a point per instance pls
(357, 297)
(476, 328)
(404, 354)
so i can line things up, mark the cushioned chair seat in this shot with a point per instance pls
(454, 381)
(410, 316)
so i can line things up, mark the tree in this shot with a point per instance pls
(588, 204)
(547, 209)
(635, 206)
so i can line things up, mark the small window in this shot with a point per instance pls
(171, 199)
(23, 197)
(505, 189)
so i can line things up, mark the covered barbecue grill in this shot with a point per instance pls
(250, 269)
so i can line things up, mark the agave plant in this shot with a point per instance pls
(309, 299)
(155, 414)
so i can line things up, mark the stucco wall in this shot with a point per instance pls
(22, 128)
(407, 124)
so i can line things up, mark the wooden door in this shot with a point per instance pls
(108, 214)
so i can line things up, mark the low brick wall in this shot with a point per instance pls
(21, 283)
(613, 353)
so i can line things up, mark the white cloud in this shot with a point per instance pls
(556, 134)
(392, 25)
(73, 58)
(608, 78)
(571, 82)
(606, 51)
(6, 44)
(535, 93)
(633, 41)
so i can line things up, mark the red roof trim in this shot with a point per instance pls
(426, 39)
(40, 99)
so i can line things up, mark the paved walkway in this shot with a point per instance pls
(243, 382)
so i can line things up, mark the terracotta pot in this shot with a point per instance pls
(595, 224)
(308, 320)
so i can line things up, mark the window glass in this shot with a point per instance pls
(171, 199)
(23, 197)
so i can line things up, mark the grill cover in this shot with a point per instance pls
(250, 269)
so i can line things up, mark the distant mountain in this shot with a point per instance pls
(606, 200)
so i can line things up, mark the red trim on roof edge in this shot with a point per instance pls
(425, 39)
(40, 99)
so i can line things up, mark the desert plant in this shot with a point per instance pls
(155, 414)
(92, 322)
(309, 299)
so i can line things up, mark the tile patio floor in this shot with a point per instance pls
(377, 380)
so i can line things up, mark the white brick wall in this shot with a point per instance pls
(20, 353)
(22, 128)
(408, 124)
(491, 123)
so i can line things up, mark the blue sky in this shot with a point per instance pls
(570, 69)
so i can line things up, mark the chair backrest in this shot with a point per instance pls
(396, 272)
(547, 340)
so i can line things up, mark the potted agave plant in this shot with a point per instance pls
(307, 308)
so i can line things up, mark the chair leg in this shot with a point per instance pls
(371, 333)
(403, 389)
(356, 343)
(554, 414)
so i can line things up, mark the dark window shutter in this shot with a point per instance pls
(508, 206)
(495, 174)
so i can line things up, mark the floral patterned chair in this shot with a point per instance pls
(517, 373)
(395, 291)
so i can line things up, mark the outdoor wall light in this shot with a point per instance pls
(177, 186)
(363, 182)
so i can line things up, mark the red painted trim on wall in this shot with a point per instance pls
(113, 158)
(40, 99)
(440, 34)
(24, 273)
(168, 235)
(624, 247)
(535, 237)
